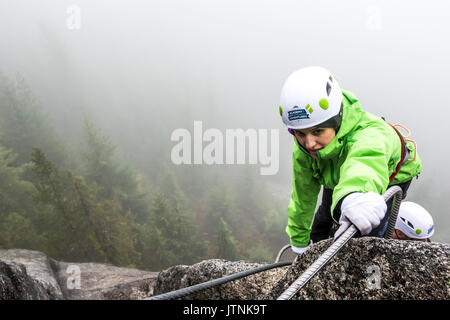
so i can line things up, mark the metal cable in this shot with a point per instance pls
(280, 253)
(337, 245)
(205, 285)
(318, 264)
(398, 193)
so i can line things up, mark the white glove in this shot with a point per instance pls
(364, 210)
(298, 250)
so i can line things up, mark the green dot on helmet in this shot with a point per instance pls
(281, 110)
(323, 103)
(418, 231)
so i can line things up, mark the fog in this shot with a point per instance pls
(145, 68)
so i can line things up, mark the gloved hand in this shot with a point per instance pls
(364, 210)
(298, 250)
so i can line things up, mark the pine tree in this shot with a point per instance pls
(17, 212)
(99, 165)
(19, 232)
(226, 247)
(170, 187)
(115, 181)
(113, 228)
(14, 191)
(81, 225)
(173, 235)
(219, 204)
(23, 124)
(4, 242)
(65, 231)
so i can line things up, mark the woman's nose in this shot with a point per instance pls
(310, 141)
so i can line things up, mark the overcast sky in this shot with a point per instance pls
(224, 62)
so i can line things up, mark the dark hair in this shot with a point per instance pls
(333, 122)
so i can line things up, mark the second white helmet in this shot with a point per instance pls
(414, 221)
(309, 97)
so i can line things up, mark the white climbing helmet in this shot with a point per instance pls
(310, 96)
(414, 221)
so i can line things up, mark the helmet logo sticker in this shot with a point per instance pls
(298, 114)
(281, 110)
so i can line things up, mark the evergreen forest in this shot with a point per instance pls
(82, 202)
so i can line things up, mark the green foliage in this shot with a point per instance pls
(220, 204)
(4, 242)
(169, 186)
(173, 236)
(16, 206)
(23, 125)
(99, 166)
(14, 192)
(98, 159)
(19, 232)
(86, 205)
(274, 225)
(83, 226)
(226, 243)
(260, 253)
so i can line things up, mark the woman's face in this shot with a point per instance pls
(314, 139)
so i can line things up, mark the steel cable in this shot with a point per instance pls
(212, 283)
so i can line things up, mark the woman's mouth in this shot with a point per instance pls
(314, 151)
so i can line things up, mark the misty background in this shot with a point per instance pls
(134, 71)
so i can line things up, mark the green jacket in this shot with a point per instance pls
(361, 158)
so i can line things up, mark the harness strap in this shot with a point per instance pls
(402, 157)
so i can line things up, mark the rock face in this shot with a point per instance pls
(373, 268)
(15, 283)
(253, 287)
(104, 281)
(36, 275)
(26, 274)
(366, 268)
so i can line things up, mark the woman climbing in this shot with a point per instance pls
(352, 153)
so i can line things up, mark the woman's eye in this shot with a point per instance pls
(301, 134)
(317, 132)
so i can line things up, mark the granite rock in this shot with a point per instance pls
(365, 268)
(372, 268)
(253, 287)
(38, 268)
(31, 275)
